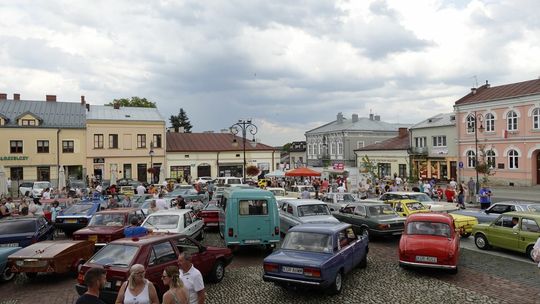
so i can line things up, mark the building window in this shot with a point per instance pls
(310, 149)
(490, 122)
(16, 173)
(98, 141)
(339, 148)
(44, 174)
(16, 146)
(127, 170)
(360, 144)
(113, 141)
(420, 142)
(141, 173)
(536, 118)
(42, 146)
(471, 125)
(28, 122)
(490, 158)
(439, 141)
(471, 159)
(512, 121)
(402, 170)
(157, 140)
(141, 140)
(68, 146)
(333, 148)
(513, 157)
(319, 149)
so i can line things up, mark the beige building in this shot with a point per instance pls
(125, 142)
(40, 136)
(214, 155)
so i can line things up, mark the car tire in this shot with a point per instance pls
(529, 252)
(481, 241)
(337, 284)
(363, 262)
(365, 232)
(7, 274)
(218, 272)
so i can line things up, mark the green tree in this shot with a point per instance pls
(483, 166)
(181, 120)
(369, 167)
(133, 102)
(287, 147)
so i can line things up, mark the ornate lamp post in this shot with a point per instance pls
(151, 153)
(477, 118)
(244, 126)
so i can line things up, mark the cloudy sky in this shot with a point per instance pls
(288, 65)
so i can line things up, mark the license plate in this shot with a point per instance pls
(92, 238)
(294, 270)
(10, 245)
(420, 258)
(252, 241)
(108, 284)
(71, 221)
(396, 233)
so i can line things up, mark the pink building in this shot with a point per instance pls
(506, 120)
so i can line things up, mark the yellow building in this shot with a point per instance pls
(125, 142)
(37, 137)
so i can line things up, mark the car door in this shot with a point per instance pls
(346, 249)
(161, 255)
(528, 234)
(197, 223)
(503, 234)
(202, 259)
(189, 229)
(357, 219)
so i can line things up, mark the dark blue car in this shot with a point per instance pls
(316, 255)
(23, 231)
(77, 216)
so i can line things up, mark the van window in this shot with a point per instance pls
(253, 207)
(233, 181)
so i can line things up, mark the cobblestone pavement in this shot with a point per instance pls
(481, 279)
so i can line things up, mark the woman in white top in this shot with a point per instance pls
(137, 289)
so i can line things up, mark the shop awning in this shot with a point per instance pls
(302, 172)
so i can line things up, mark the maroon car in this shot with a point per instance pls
(155, 252)
(210, 214)
(108, 225)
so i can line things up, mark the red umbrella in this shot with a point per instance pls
(302, 172)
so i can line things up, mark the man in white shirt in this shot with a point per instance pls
(140, 189)
(341, 188)
(161, 203)
(192, 279)
(453, 183)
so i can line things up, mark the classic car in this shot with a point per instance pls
(371, 219)
(155, 252)
(296, 191)
(317, 255)
(76, 216)
(5, 271)
(496, 209)
(279, 193)
(188, 194)
(516, 231)
(338, 200)
(108, 225)
(22, 231)
(138, 200)
(63, 203)
(430, 240)
(422, 198)
(58, 256)
(181, 221)
(210, 214)
(300, 211)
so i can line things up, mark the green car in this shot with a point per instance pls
(517, 231)
(371, 219)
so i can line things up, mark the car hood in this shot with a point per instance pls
(298, 258)
(100, 230)
(6, 251)
(45, 249)
(319, 219)
(472, 212)
(442, 206)
(389, 219)
(426, 245)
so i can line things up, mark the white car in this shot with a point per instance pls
(303, 211)
(204, 179)
(279, 193)
(181, 221)
(35, 188)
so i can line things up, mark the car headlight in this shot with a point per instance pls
(19, 263)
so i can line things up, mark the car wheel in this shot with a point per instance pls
(7, 275)
(466, 235)
(363, 262)
(336, 286)
(529, 252)
(218, 272)
(365, 232)
(481, 241)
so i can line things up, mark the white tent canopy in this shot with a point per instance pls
(276, 173)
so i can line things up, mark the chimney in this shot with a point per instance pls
(355, 118)
(487, 85)
(370, 116)
(402, 132)
(88, 107)
(50, 98)
(3, 96)
(339, 118)
(377, 117)
(83, 102)
(116, 105)
(16, 96)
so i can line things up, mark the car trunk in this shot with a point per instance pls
(437, 246)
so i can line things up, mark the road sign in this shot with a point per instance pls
(461, 165)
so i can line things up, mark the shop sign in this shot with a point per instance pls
(13, 157)
(338, 166)
(99, 160)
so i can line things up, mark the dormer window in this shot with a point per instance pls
(28, 122)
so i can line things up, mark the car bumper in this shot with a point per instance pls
(386, 232)
(69, 226)
(425, 265)
(108, 296)
(289, 281)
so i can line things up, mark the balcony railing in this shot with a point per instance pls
(418, 150)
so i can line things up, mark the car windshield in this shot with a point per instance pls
(345, 197)
(12, 227)
(415, 206)
(308, 241)
(42, 185)
(428, 228)
(108, 219)
(278, 192)
(165, 221)
(421, 197)
(534, 208)
(117, 255)
(78, 209)
(312, 210)
(380, 210)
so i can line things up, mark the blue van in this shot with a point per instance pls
(249, 217)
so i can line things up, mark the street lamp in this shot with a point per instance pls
(151, 153)
(244, 126)
(477, 118)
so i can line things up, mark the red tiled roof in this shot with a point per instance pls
(400, 142)
(486, 93)
(208, 142)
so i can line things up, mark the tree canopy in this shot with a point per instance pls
(181, 121)
(133, 102)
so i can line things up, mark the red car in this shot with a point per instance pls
(108, 225)
(430, 240)
(155, 252)
(210, 214)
